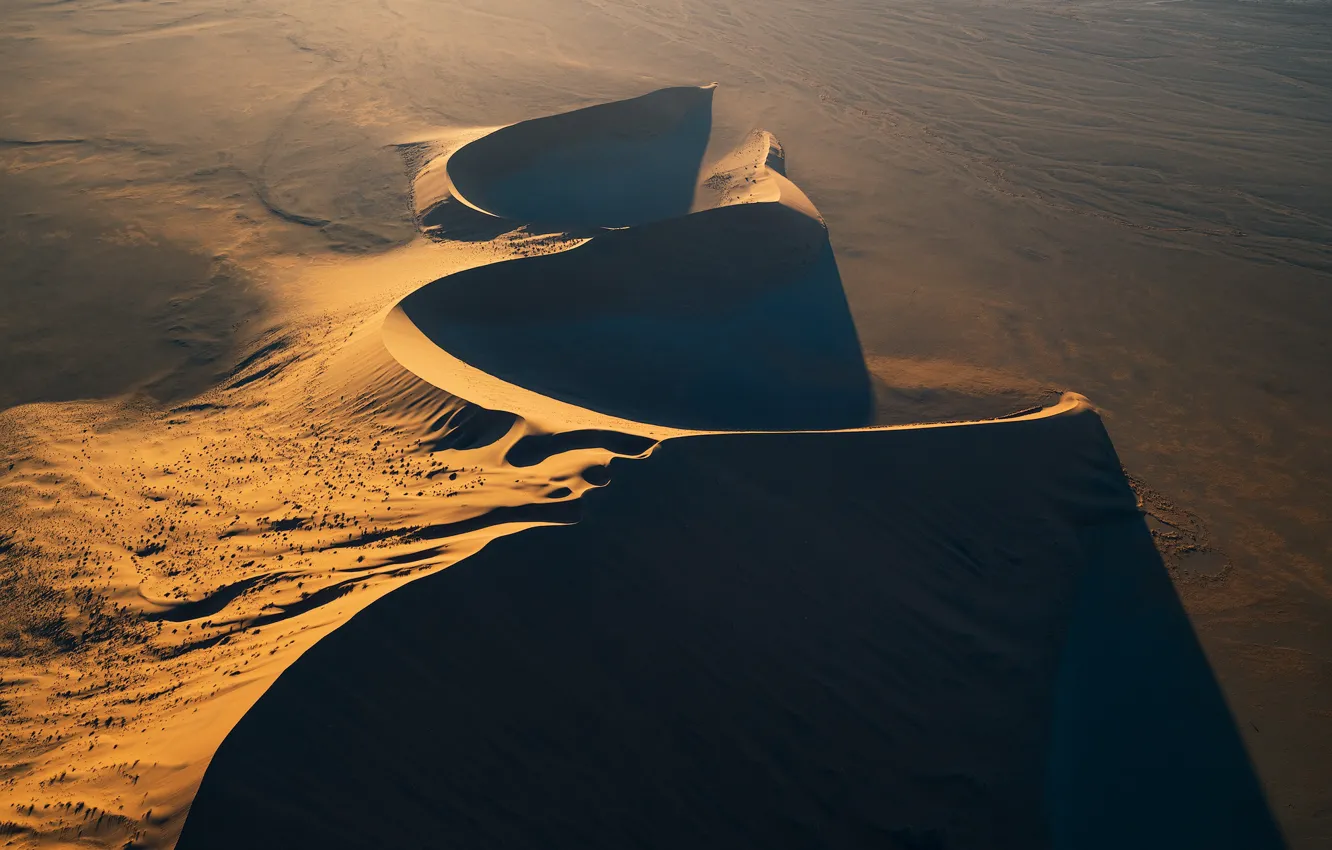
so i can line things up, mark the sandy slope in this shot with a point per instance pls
(957, 637)
(883, 637)
(730, 318)
(162, 570)
(204, 548)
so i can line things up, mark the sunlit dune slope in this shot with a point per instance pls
(870, 639)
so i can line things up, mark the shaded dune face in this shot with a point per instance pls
(926, 666)
(611, 165)
(732, 318)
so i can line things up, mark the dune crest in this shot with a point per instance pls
(728, 318)
(610, 165)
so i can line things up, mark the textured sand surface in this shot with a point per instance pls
(960, 655)
(248, 388)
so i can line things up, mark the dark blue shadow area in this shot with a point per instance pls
(611, 165)
(782, 641)
(1145, 752)
(732, 318)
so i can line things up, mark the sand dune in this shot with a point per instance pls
(961, 654)
(611, 165)
(732, 318)
(797, 635)
(614, 164)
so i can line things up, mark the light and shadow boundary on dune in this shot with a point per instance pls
(728, 319)
(616, 164)
(774, 628)
(937, 637)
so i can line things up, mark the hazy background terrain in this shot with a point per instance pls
(1128, 199)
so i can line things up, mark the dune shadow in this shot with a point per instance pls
(850, 640)
(733, 318)
(448, 219)
(611, 165)
(1141, 725)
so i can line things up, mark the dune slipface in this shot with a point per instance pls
(802, 633)
(732, 318)
(909, 670)
(610, 165)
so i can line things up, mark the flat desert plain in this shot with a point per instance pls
(696, 424)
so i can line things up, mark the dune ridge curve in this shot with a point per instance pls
(802, 632)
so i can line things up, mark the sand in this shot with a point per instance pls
(610, 165)
(962, 655)
(732, 318)
(319, 320)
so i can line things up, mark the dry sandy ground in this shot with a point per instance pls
(227, 432)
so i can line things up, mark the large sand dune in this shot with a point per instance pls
(976, 647)
(931, 636)
(610, 165)
(732, 318)
(705, 600)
